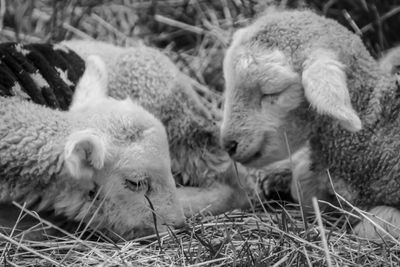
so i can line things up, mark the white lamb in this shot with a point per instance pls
(96, 162)
(303, 93)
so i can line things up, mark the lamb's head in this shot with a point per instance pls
(283, 73)
(121, 154)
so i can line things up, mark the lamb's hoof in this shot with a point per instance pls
(383, 224)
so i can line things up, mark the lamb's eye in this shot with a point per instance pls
(270, 98)
(137, 186)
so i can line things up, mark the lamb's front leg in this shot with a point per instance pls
(236, 188)
(295, 176)
(215, 199)
(233, 188)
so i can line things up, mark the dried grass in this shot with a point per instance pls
(194, 34)
(233, 239)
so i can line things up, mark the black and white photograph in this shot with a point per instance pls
(200, 133)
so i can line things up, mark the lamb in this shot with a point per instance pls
(208, 178)
(96, 162)
(303, 93)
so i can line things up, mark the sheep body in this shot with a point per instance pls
(287, 61)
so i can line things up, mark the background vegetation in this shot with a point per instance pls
(195, 34)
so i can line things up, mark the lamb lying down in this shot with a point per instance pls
(208, 177)
(295, 79)
(96, 162)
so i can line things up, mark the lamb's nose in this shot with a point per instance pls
(230, 147)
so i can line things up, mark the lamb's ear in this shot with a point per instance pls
(324, 82)
(93, 83)
(84, 152)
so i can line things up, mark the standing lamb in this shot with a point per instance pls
(301, 81)
(96, 162)
(207, 175)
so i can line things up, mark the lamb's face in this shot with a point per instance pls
(267, 99)
(261, 91)
(123, 158)
(136, 166)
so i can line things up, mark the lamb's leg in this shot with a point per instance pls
(235, 188)
(385, 217)
(215, 199)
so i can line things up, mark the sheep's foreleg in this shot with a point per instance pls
(214, 199)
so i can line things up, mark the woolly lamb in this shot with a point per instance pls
(299, 82)
(208, 177)
(96, 162)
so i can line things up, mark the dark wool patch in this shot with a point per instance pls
(43, 73)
